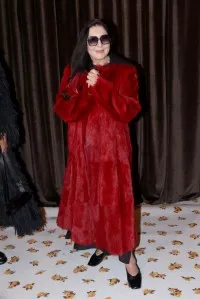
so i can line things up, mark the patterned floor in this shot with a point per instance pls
(45, 266)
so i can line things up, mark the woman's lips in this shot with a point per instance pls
(99, 51)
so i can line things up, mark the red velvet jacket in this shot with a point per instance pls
(116, 91)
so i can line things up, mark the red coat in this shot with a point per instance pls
(97, 203)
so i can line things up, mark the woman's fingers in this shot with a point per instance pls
(3, 144)
(92, 77)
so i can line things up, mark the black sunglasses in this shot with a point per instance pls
(93, 40)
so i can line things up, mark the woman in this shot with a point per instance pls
(28, 218)
(98, 97)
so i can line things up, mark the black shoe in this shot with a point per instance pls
(134, 282)
(3, 258)
(95, 259)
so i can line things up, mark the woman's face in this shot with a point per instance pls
(98, 52)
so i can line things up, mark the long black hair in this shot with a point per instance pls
(81, 61)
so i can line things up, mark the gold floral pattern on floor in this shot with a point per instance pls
(45, 265)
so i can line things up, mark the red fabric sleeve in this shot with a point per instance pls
(72, 100)
(120, 101)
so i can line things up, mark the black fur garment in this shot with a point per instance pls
(28, 218)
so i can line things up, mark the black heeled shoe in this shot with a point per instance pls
(134, 282)
(3, 258)
(95, 259)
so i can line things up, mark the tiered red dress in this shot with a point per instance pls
(97, 203)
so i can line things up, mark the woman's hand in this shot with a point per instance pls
(92, 77)
(3, 143)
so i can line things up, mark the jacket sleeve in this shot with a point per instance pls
(72, 100)
(120, 101)
(8, 114)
